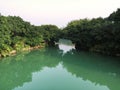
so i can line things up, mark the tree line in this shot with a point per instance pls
(100, 35)
(16, 34)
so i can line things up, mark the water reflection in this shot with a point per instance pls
(65, 45)
(48, 79)
(48, 69)
(65, 48)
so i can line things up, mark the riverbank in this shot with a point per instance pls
(14, 52)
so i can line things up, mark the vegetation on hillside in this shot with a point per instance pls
(98, 34)
(16, 34)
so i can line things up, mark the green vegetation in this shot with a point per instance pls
(51, 33)
(99, 35)
(16, 34)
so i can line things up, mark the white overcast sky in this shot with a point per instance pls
(58, 12)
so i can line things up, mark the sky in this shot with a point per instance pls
(57, 12)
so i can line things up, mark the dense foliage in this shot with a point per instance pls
(100, 35)
(16, 34)
(51, 33)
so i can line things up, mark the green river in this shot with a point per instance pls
(59, 68)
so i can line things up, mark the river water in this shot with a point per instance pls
(59, 68)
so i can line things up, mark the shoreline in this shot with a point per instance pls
(14, 52)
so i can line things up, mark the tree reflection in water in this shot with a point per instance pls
(17, 70)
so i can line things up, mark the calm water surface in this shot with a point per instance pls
(59, 68)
